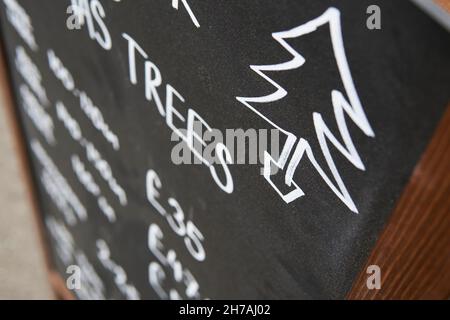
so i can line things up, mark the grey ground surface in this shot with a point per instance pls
(22, 271)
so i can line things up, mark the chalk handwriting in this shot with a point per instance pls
(120, 276)
(177, 221)
(168, 259)
(57, 187)
(40, 118)
(86, 104)
(152, 82)
(21, 22)
(31, 74)
(92, 13)
(94, 157)
(88, 182)
(92, 287)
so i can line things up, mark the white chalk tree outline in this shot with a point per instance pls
(352, 108)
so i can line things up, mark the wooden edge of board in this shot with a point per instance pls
(445, 4)
(59, 287)
(413, 249)
(13, 121)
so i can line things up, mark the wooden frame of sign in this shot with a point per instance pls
(412, 251)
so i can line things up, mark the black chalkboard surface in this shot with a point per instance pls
(133, 111)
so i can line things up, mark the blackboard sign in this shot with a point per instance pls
(221, 149)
